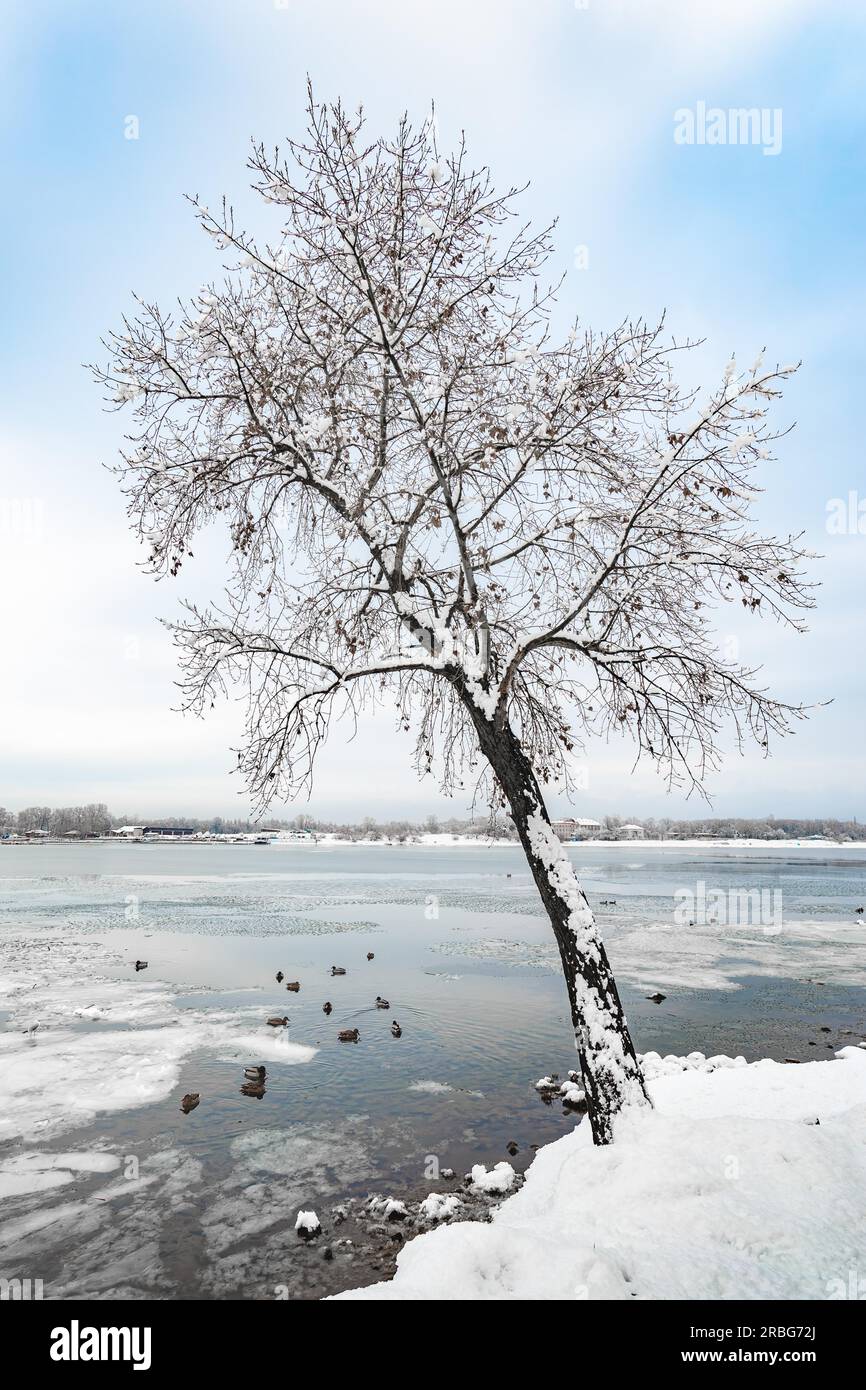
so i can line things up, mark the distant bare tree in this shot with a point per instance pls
(521, 541)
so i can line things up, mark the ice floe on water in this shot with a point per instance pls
(706, 955)
(85, 1246)
(33, 1171)
(442, 1088)
(314, 1153)
(123, 1226)
(79, 1044)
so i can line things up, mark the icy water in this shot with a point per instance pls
(107, 1189)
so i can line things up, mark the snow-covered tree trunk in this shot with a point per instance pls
(611, 1074)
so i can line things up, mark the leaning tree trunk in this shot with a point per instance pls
(611, 1073)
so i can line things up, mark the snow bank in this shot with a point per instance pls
(728, 1189)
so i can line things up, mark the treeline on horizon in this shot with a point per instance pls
(96, 819)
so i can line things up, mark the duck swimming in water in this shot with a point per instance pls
(349, 1035)
(278, 1022)
(396, 1030)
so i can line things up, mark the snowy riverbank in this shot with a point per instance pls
(441, 839)
(746, 1181)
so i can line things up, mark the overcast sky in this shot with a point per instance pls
(741, 247)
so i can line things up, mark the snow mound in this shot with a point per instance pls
(572, 1094)
(500, 1178)
(727, 1189)
(439, 1205)
(308, 1223)
(390, 1208)
(655, 1065)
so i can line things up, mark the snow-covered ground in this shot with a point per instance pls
(745, 1181)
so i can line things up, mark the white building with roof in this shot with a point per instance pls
(575, 827)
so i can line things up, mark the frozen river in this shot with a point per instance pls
(107, 1189)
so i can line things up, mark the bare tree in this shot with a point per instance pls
(520, 541)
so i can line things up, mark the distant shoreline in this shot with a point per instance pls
(445, 841)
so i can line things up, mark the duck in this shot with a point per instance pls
(190, 1101)
(382, 1003)
(254, 1073)
(396, 1030)
(256, 1089)
(278, 1022)
(141, 965)
(280, 977)
(348, 1035)
(371, 954)
(337, 970)
(294, 986)
(327, 1006)
(657, 997)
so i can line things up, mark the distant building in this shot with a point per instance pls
(631, 832)
(139, 832)
(574, 827)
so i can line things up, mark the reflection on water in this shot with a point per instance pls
(465, 960)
